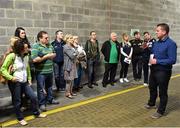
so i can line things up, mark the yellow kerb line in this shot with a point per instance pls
(13, 122)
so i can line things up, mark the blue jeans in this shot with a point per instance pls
(77, 81)
(44, 88)
(91, 67)
(59, 76)
(16, 90)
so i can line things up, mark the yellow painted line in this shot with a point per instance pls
(13, 122)
(178, 75)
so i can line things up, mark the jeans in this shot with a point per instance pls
(124, 69)
(146, 70)
(77, 81)
(159, 79)
(16, 90)
(91, 67)
(110, 71)
(137, 67)
(44, 88)
(59, 76)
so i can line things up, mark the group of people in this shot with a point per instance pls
(66, 58)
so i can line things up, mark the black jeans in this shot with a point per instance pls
(16, 90)
(146, 70)
(110, 70)
(159, 79)
(137, 67)
(124, 69)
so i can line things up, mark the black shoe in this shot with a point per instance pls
(54, 102)
(90, 86)
(96, 84)
(147, 106)
(104, 85)
(112, 84)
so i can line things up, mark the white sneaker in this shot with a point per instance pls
(23, 122)
(41, 115)
(126, 80)
(145, 85)
(121, 80)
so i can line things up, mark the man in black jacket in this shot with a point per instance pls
(137, 56)
(147, 46)
(111, 51)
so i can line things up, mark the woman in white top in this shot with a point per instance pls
(17, 71)
(126, 54)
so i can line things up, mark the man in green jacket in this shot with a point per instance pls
(111, 50)
(93, 55)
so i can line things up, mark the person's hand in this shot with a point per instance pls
(129, 57)
(75, 45)
(49, 56)
(14, 79)
(153, 61)
(29, 82)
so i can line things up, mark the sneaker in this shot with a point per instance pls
(149, 107)
(90, 86)
(54, 102)
(96, 84)
(156, 115)
(23, 122)
(74, 94)
(126, 80)
(41, 115)
(22, 109)
(62, 89)
(145, 85)
(121, 80)
(42, 108)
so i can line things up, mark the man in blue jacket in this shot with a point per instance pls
(58, 44)
(163, 56)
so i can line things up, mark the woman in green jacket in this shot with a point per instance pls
(17, 71)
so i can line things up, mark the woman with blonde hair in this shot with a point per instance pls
(126, 54)
(81, 64)
(70, 71)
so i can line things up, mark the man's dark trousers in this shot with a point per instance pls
(159, 78)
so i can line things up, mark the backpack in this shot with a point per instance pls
(2, 59)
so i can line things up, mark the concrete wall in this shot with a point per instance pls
(81, 16)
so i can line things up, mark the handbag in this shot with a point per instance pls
(3, 80)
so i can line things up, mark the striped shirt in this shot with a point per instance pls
(39, 50)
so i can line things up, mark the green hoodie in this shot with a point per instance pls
(9, 60)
